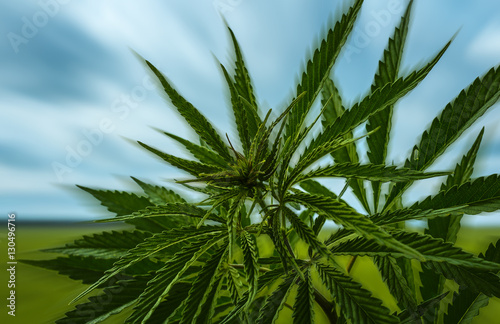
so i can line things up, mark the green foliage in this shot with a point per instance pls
(112, 300)
(304, 301)
(106, 245)
(251, 250)
(355, 302)
(468, 301)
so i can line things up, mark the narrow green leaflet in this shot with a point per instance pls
(241, 305)
(206, 282)
(106, 245)
(111, 301)
(87, 269)
(250, 259)
(319, 67)
(312, 155)
(259, 152)
(432, 249)
(339, 235)
(388, 70)
(316, 188)
(303, 310)
(275, 302)
(175, 298)
(432, 284)
(346, 216)
(243, 82)
(169, 275)
(480, 195)
(159, 195)
(236, 311)
(194, 118)
(455, 118)
(396, 282)
(463, 170)
(278, 237)
(211, 305)
(424, 310)
(260, 142)
(404, 214)
(465, 307)
(332, 101)
(152, 245)
(125, 203)
(407, 268)
(202, 153)
(369, 172)
(272, 161)
(389, 65)
(306, 233)
(234, 284)
(239, 112)
(118, 202)
(192, 167)
(447, 227)
(373, 103)
(467, 302)
(270, 275)
(173, 209)
(306, 217)
(355, 302)
(234, 220)
(484, 282)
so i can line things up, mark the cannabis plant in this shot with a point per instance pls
(271, 239)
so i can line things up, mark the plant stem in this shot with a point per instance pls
(344, 189)
(241, 266)
(351, 263)
(327, 307)
(288, 306)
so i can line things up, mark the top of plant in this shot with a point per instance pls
(234, 256)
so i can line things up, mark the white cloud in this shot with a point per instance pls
(487, 44)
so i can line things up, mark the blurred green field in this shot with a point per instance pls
(42, 296)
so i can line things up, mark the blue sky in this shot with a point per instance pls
(69, 77)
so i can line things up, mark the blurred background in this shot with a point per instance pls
(73, 94)
(72, 90)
